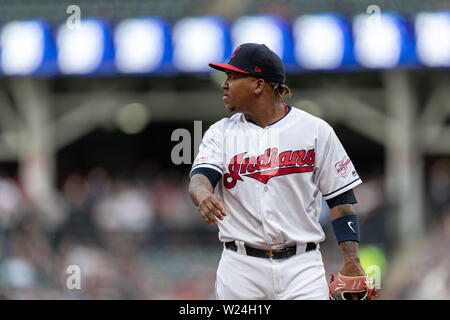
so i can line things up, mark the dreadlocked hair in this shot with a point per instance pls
(281, 90)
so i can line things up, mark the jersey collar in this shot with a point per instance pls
(287, 109)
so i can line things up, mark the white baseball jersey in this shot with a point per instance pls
(273, 178)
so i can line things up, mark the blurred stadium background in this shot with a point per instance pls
(87, 113)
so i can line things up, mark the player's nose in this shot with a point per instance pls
(225, 84)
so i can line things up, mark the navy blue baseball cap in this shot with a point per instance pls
(256, 60)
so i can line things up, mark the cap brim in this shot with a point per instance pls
(226, 66)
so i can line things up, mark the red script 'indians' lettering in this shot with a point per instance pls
(268, 165)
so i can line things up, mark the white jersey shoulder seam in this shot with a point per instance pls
(311, 117)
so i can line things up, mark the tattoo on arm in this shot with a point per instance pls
(350, 251)
(342, 210)
(198, 186)
(349, 248)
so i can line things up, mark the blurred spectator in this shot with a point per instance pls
(423, 271)
(11, 203)
(124, 208)
(439, 184)
(173, 204)
(140, 237)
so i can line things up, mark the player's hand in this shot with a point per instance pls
(353, 269)
(211, 208)
(352, 288)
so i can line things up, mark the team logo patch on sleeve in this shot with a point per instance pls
(343, 166)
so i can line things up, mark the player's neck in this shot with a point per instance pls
(266, 114)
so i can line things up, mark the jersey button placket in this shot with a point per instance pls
(271, 239)
(268, 216)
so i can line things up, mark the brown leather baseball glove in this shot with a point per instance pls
(352, 288)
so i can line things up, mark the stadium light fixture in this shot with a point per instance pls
(86, 49)
(266, 29)
(142, 45)
(322, 42)
(381, 43)
(132, 118)
(26, 48)
(432, 30)
(198, 41)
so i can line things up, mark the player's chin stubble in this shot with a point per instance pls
(229, 107)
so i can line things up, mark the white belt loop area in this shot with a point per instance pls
(240, 247)
(301, 248)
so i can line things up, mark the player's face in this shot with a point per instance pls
(237, 91)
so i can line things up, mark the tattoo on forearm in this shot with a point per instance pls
(350, 251)
(342, 210)
(199, 185)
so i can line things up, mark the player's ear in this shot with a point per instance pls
(259, 86)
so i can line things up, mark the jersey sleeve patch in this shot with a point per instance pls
(342, 167)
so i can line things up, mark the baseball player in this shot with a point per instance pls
(260, 175)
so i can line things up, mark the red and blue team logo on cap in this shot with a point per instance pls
(256, 60)
(235, 51)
